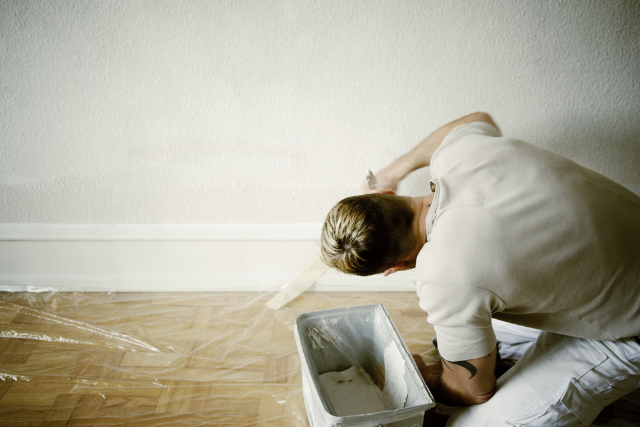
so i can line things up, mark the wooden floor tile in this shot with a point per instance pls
(61, 409)
(86, 410)
(17, 351)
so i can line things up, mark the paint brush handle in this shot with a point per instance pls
(372, 182)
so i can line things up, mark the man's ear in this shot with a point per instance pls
(399, 266)
(383, 191)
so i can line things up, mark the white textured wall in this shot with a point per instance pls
(269, 111)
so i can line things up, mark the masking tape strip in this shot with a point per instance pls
(300, 284)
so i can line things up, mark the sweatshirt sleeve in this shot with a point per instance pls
(461, 316)
(458, 133)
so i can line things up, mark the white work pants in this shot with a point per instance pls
(559, 381)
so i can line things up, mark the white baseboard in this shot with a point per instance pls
(159, 258)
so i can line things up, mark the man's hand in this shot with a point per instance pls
(386, 179)
(430, 373)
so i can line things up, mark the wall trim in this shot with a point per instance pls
(171, 258)
(332, 281)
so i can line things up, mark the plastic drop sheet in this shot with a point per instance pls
(167, 359)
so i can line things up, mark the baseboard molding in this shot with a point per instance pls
(168, 258)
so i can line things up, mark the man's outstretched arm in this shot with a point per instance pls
(468, 382)
(419, 157)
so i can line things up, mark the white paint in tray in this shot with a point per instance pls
(352, 391)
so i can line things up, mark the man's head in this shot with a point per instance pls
(368, 234)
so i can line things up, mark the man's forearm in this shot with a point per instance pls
(441, 390)
(469, 382)
(447, 393)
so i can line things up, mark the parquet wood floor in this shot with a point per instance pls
(165, 359)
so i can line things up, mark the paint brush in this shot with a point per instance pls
(372, 182)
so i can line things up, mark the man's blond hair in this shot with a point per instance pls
(367, 234)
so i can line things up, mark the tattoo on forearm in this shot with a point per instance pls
(468, 366)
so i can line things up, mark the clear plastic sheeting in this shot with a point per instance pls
(174, 359)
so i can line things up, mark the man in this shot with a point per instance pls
(516, 233)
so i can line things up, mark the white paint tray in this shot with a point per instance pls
(337, 339)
